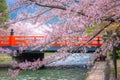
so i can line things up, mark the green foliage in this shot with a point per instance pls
(48, 53)
(91, 29)
(3, 8)
(118, 54)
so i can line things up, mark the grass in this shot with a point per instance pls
(48, 53)
(4, 58)
(118, 65)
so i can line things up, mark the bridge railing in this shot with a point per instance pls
(18, 40)
(4, 40)
(97, 41)
(25, 40)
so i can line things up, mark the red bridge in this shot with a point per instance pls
(18, 40)
(13, 42)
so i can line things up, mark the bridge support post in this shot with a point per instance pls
(12, 38)
(98, 40)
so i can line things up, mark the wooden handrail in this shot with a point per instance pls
(17, 40)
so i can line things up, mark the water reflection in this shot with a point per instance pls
(54, 74)
(51, 74)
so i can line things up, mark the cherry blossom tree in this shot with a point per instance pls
(75, 17)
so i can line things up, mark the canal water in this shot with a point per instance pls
(59, 73)
(49, 74)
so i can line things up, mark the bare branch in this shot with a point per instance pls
(56, 7)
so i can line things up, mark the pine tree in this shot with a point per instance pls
(3, 8)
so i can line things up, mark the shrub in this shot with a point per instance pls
(117, 53)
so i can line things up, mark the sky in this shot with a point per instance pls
(29, 29)
(15, 14)
(29, 26)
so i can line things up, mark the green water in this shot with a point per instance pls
(49, 74)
